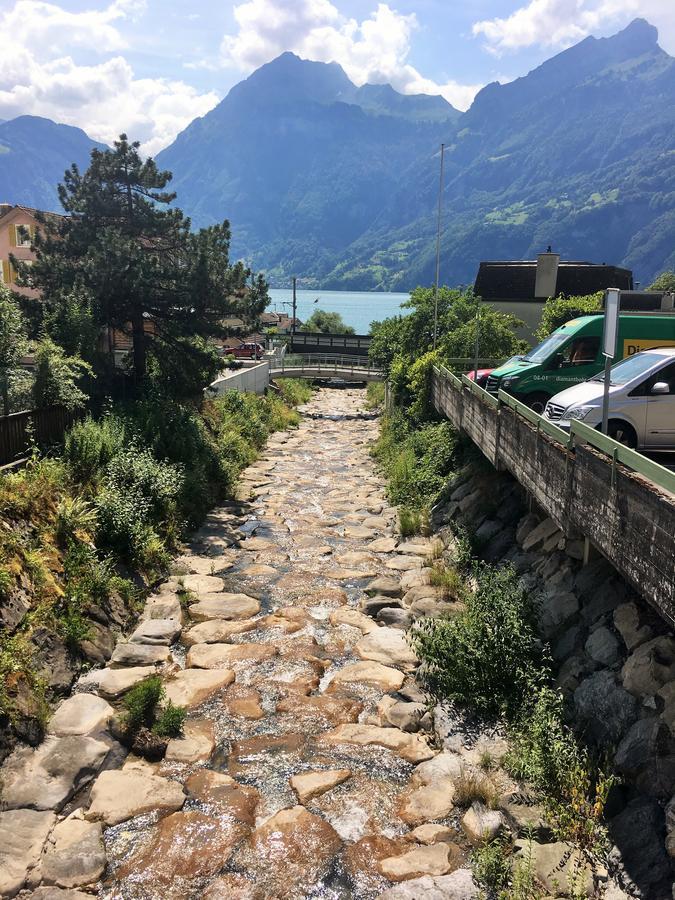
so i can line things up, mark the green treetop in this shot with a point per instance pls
(136, 263)
(327, 323)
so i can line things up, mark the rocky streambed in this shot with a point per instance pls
(309, 766)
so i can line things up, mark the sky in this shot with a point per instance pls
(148, 67)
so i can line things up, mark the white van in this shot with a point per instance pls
(641, 401)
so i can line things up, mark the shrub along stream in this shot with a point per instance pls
(84, 533)
(490, 660)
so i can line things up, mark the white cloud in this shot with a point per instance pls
(374, 50)
(560, 23)
(38, 76)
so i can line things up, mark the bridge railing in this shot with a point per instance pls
(329, 363)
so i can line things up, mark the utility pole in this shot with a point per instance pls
(438, 247)
(295, 307)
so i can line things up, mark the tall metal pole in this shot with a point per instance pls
(475, 348)
(438, 246)
(295, 306)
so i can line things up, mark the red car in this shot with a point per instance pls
(481, 376)
(249, 350)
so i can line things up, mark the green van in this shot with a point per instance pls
(573, 353)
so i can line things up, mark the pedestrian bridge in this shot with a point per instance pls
(315, 365)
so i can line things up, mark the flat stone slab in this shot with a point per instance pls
(388, 646)
(345, 574)
(411, 747)
(428, 802)
(370, 673)
(219, 656)
(404, 563)
(225, 606)
(349, 616)
(193, 686)
(48, 776)
(23, 833)
(75, 855)
(163, 606)
(196, 744)
(458, 885)
(382, 545)
(156, 631)
(313, 784)
(115, 682)
(384, 585)
(128, 654)
(355, 558)
(194, 564)
(437, 859)
(216, 631)
(120, 795)
(257, 543)
(81, 714)
(202, 584)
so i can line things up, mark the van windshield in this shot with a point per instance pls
(632, 367)
(547, 348)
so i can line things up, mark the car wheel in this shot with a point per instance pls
(623, 433)
(537, 402)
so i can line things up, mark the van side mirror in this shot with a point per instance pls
(557, 361)
(661, 387)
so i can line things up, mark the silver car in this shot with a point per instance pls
(641, 401)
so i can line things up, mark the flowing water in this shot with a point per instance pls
(318, 503)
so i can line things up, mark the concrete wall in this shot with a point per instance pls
(627, 518)
(253, 380)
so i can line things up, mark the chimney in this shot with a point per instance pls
(547, 275)
(5, 208)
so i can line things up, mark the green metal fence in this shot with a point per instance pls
(579, 434)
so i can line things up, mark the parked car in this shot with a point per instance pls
(572, 354)
(480, 376)
(247, 350)
(641, 401)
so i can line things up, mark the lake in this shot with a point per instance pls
(357, 308)
(360, 308)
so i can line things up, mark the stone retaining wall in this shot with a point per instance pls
(615, 660)
(622, 514)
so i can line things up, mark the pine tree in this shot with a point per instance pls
(144, 272)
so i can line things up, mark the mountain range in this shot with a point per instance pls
(339, 184)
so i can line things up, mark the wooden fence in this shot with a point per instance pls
(41, 427)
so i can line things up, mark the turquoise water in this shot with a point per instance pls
(357, 308)
(360, 308)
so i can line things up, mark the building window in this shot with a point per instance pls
(24, 236)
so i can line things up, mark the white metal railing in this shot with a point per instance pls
(328, 364)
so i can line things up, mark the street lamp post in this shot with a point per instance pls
(438, 246)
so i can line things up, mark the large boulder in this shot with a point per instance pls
(75, 855)
(388, 646)
(650, 666)
(427, 802)
(225, 606)
(291, 850)
(639, 834)
(411, 747)
(156, 631)
(120, 795)
(81, 714)
(386, 677)
(312, 784)
(47, 777)
(604, 709)
(458, 885)
(603, 647)
(23, 833)
(646, 756)
(630, 622)
(434, 859)
(191, 687)
(559, 867)
(481, 824)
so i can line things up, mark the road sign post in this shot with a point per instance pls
(610, 333)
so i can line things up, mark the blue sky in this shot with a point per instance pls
(149, 67)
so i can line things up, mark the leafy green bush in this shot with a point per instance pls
(137, 503)
(170, 721)
(295, 391)
(90, 446)
(76, 520)
(417, 462)
(491, 867)
(489, 657)
(558, 310)
(140, 703)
